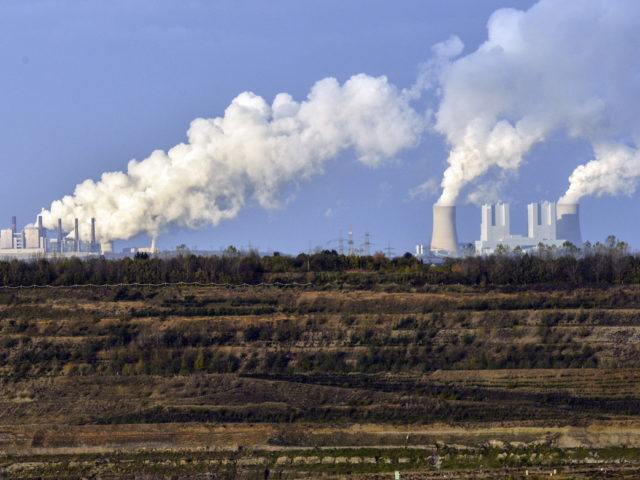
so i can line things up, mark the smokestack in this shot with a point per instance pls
(568, 223)
(41, 233)
(93, 234)
(77, 236)
(444, 238)
(14, 225)
(60, 246)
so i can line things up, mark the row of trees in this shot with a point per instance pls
(608, 262)
(249, 268)
(602, 263)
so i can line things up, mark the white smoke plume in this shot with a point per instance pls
(569, 66)
(250, 153)
(615, 170)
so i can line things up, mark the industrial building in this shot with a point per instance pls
(32, 242)
(548, 224)
(495, 228)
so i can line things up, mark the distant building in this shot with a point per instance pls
(542, 228)
(6, 239)
(32, 238)
(32, 242)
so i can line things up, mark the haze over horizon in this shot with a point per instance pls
(88, 87)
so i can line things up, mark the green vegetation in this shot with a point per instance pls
(343, 461)
(608, 263)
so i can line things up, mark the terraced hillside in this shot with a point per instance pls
(265, 382)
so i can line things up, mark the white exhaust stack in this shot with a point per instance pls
(568, 223)
(76, 235)
(444, 239)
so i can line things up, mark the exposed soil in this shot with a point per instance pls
(437, 382)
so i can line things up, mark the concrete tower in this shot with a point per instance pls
(60, 236)
(444, 238)
(32, 237)
(42, 233)
(77, 236)
(6, 239)
(93, 234)
(495, 222)
(14, 225)
(542, 224)
(106, 247)
(568, 224)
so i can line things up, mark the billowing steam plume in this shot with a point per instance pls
(568, 66)
(615, 170)
(250, 153)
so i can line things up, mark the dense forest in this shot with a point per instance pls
(601, 263)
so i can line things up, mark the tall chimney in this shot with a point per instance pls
(60, 239)
(41, 233)
(568, 223)
(93, 234)
(14, 225)
(444, 238)
(77, 236)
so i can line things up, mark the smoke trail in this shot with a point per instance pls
(249, 153)
(569, 66)
(615, 170)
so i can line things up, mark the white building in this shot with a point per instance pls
(32, 242)
(495, 228)
(32, 238)
(6, 239)
(542, 220)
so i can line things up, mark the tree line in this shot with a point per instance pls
(610, 262)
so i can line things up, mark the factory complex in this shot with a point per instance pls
(548, 224)
(32, 242)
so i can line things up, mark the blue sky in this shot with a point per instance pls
(86, 86)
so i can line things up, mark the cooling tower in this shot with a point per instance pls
(568, 224)
(444, 238)
(106, 247)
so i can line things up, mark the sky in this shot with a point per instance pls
(86, 86)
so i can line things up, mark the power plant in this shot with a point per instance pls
(444, 238)
(32, 242)
(548, 223)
